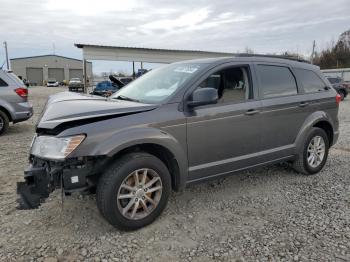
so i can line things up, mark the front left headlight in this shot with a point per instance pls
(55, 148)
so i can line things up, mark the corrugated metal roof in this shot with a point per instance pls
(39, 56)
(196, 51)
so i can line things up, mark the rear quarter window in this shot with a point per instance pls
(3, 83)
(276, 81)
(310, 80)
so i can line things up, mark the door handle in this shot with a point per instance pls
(303, 104)
(251, 112)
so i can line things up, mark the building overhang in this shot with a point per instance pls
(150, 55)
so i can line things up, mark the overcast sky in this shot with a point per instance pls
(267, 26)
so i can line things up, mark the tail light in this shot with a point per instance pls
(22, 92)
(338, 99)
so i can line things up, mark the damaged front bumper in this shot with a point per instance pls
(43, 177)
(37, 187)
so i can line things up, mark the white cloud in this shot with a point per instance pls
(91, 7)
(30, 27)
(189, 19)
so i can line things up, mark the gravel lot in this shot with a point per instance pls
(267, 214)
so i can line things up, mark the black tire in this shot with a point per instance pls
(5, 122)
(110, 182)
(301, 164)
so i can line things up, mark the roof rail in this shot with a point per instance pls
(289, 57)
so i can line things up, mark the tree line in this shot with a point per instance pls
(336, 56)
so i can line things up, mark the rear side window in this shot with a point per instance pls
(3, 83)
(276, 81)
(310, 80)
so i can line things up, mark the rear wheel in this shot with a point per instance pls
(134, 191)
(314, 154)
(4, 122)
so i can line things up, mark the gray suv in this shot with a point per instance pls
(14, 106)
(177, 125)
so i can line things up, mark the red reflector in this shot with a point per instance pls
(22, 92)
(338, 99)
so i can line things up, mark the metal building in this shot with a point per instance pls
(38, 69)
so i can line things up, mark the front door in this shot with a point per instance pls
(225, 136)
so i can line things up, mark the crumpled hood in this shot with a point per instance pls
(69, 107)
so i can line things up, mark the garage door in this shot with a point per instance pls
(76, 73)
(56, 73)
(35, 76)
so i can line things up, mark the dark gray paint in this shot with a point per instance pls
(206, 141)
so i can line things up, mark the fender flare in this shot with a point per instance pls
(7, 106)
(309, 122)
(126, 138)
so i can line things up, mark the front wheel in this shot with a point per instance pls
(134, 191)
(314, 154)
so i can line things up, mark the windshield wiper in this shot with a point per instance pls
(126, 98)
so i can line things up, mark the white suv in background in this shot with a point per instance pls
(14, 106)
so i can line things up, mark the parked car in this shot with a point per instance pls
(181, 124)
(339, 85)
(105, 88)
(14, 106)
(76, 85)
(52, 83)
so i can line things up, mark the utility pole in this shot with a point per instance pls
(54, 48)
(313, 51)
(7, 56)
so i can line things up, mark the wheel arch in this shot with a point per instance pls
(153, 141)
(327, 127)
(318, 119)
(161, 152)
(7, 112)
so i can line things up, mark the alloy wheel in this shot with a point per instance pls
(139, 194)
(316, 151)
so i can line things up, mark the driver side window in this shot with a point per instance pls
(232, 83)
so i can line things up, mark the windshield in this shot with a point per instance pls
(157, 85)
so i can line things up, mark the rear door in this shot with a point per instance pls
(285, 108)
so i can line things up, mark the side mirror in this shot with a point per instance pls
(203, 96)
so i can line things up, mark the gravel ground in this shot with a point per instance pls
(268, 214)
